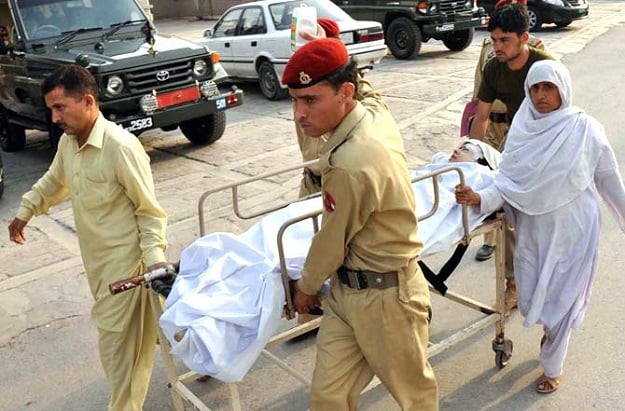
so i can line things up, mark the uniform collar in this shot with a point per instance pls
(341, 134)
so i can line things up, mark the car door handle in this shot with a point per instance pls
(254, 44)
(227, 44)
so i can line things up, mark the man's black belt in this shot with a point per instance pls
(361, 279)
(498, 117)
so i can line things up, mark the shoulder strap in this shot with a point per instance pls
(438, 280)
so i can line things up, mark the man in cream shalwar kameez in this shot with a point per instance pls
(554, 166)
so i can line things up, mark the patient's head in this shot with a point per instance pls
(466, 152)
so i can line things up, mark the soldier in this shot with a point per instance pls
(376, 314)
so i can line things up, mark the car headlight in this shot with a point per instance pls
(200, 68)
(555, 2)
(114, 85)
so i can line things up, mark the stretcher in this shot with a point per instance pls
(492, 314)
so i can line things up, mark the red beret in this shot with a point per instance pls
(329, 26)
(502, 2)
(314, 62)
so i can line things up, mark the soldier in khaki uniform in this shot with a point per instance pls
(376, 315)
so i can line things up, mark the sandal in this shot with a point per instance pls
(547, 385)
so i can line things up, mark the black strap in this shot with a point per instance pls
(438, 280)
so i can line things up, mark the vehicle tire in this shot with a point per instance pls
(204, 130)
(12, 137)
(403, 38)
(564, 23)
(535, 20)
(270, 83)
(459, 40)
(54, 135)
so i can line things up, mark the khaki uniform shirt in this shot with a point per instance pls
(369, 221)
(119, 221)
(310, 147)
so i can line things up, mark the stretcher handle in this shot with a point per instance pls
(465, 211)
(234, 187)
(136, 281)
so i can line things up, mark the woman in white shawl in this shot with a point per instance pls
(556, 161)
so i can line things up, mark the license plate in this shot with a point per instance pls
(347, 38)
(139, 124)
(173, 98)
(445, 27)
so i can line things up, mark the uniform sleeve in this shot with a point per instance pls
(368, 97)
(49, 190)
(487, 93)
(134, 174)
(479, 68)
(347, 207)
(610, 186)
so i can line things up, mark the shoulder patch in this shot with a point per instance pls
(328, 202)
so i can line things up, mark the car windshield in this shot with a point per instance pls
(281, 13)
(43, 19)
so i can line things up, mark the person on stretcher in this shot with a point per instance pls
(227, 300)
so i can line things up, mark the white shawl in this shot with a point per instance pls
(549, 159)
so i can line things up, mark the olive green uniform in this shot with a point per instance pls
(369, 224)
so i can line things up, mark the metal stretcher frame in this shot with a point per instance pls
(494, 315)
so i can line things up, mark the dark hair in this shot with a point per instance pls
(510, 18)
(346, 74)
(76, 80)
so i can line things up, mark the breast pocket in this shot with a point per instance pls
(94, 194)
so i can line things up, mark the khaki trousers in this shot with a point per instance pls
(381, 332)
(128, 357)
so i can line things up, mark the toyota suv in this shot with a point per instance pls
(146, 80)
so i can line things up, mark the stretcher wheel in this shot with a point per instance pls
(503, 351)
(501, 359)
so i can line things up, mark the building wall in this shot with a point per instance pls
(162, 9)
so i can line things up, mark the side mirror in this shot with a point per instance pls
(208, 33)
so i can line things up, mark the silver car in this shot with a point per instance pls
(254, 40)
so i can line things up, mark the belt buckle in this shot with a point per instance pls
(357, 280)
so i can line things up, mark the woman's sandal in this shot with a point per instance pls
(547, 385)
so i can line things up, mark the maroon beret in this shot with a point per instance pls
(329, 26)
(314, 62)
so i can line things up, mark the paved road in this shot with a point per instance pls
(47, 344)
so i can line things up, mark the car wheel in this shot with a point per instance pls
(12, 137)
(535, 20)
(564, 23)
(459, 40)
(403, 38)
(204, 130)
(270, 83)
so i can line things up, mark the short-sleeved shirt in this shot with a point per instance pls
(499, 82)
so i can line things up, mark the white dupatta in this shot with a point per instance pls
(549, 159)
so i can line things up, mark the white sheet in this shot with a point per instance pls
(229, 296)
